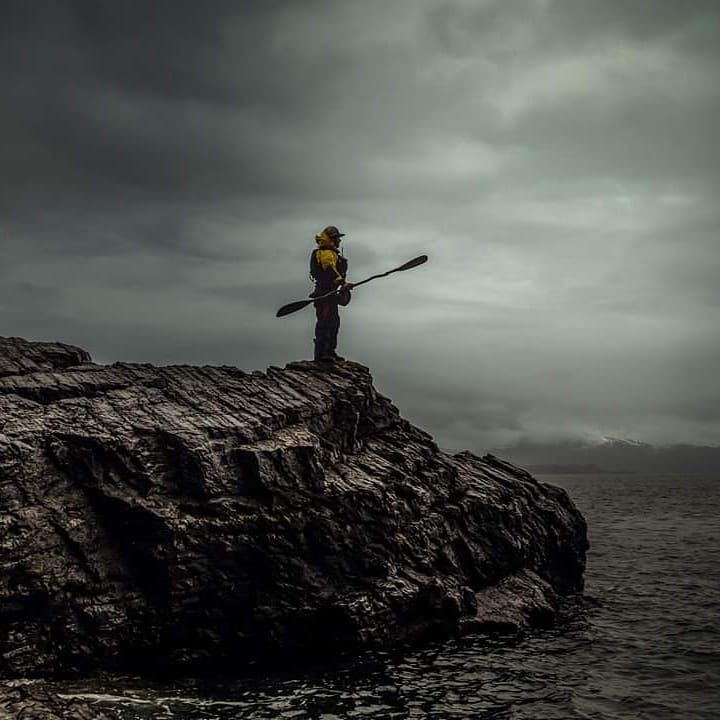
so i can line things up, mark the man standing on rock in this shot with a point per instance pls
(328, 268)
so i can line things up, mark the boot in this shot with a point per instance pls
(322, 354)
(331, 351)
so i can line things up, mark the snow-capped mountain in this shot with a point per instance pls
(612, 455)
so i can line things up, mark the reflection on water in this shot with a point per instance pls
(649, 649)
(501, 677)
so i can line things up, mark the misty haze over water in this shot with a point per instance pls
(614, 455)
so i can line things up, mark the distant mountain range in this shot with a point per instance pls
(613, 455)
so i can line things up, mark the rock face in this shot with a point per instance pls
(174, 518)
(34, 702)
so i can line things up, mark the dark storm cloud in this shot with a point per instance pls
(166, 164)
(144, 98)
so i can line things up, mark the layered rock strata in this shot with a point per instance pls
(177, 518)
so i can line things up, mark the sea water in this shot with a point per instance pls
(649, 647)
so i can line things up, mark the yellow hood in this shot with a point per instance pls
(324, 242)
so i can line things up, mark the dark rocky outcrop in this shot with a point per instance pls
(30, 701)
(179, 517)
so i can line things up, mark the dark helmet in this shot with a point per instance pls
(332, 232)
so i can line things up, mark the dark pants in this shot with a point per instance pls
(326, 327)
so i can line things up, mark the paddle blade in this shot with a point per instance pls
(292, 307)
(419, 260)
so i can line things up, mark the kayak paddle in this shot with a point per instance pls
(300, 304)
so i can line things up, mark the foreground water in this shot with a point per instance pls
(648, 649)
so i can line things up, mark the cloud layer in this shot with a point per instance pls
(167, 164)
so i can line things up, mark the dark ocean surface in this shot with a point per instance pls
(649, 648)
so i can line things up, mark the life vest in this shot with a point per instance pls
(325, 274)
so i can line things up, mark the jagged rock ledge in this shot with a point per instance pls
(174, 518)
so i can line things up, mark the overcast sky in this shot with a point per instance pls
(166, 164)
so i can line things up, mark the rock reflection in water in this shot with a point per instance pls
(474, 677)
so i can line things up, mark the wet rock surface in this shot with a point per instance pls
(34, 702)
(180, 518)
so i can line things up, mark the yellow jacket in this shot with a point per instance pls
(327, 256)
